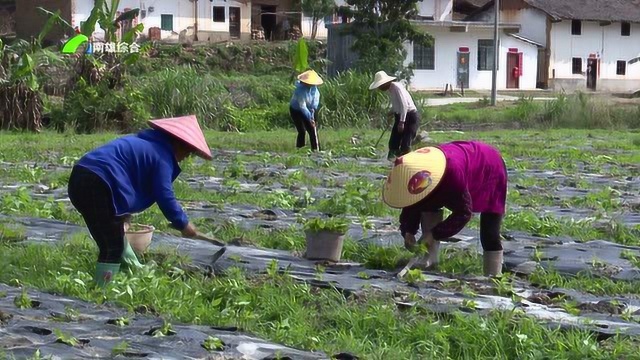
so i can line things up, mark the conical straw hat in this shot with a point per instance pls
(413, 177)
(380, 78)
(187, 129)
(310, 77)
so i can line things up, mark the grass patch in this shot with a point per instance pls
(284, 311)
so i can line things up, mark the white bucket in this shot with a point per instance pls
(139, 239)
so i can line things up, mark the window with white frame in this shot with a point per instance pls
(424, 56)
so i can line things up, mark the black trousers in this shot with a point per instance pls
(400, 143)
(490, 225)
(91, 196)
(302, 125)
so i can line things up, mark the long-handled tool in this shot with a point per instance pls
(315, 132)
(218, 254)
(200, 236)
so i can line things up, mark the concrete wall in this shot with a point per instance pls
(604, 41)
(30, 21)
(446, 48)
(533, 23)
(307, 28)
(183, 13)
(439, 9)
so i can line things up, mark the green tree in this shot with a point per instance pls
(380, 28)
(317, 10)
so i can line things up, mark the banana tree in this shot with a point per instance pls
(299, 57)
(20, 102)
(95, 67)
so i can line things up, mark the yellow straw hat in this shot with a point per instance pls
(413, 177)
(310, 77)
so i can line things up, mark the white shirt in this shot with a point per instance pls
(401, 101)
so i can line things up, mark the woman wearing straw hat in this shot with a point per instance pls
(465, 177)
(407, 119)
(128, 175)
(303, 106)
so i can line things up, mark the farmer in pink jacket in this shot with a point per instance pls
(465, 177)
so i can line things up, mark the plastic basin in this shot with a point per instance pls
(140, 238)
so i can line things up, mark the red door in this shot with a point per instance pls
(514, 70)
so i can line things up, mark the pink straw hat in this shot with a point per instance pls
(187, 129)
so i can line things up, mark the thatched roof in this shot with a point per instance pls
(593, 10)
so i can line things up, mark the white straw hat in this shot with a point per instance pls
(380, 79)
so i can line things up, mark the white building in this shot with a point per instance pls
(215, 20)
(591, 43)
(462, 52)
(568, 44)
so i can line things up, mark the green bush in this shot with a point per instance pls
(179, 92)
(97, 108)
(346, 101)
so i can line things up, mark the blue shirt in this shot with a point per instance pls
(140, 170)
(305, 99)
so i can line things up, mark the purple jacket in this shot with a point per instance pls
(474, 181)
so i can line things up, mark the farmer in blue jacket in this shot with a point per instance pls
(303, 105)
(127, 176)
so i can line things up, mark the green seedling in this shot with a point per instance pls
(363, 275)
(3, 294)
(537, 255)
(334, 224)
(571, 307)
(631, 256)
(468, 291)
(11, 234)
(469, 304)
(273, 269)
(121, 321)
(120, 349)
(213, 344)
(165, 330)
(414, 276)
(65, 338)
(23, 301)
(319, 269)
(503, 285)
(366, 225)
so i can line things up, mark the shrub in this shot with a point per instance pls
(179, 92)
(97, 108)
(346, 101)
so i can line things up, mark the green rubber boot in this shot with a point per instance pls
(129, 258)
(105, 272)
